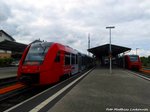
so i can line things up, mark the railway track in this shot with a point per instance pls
(18, 95)
(26, 93)
(141, 74)
(10, 91)
(145, 71)
(8, 81)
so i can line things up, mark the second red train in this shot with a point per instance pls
(130, 62)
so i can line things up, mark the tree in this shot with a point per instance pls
(145, 61)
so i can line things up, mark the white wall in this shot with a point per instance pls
(3, 37)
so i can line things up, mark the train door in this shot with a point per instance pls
(74, 64)
(82, 62)
(58, 64)
(67, 63)
(127, 62)
(79, 62)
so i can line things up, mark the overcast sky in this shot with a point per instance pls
(69, 22)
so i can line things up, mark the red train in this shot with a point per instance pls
(130, 62)
(46, 62)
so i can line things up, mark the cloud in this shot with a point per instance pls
(4, 12)
(69, 22)
(140, 52)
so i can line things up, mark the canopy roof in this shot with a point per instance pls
(12, 46)
(104, 50)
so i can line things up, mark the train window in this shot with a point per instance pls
(36, 53)
(57, 59)
(72, 59)
(133, 58)
(67, 59)
(76, 59)
(83, 60)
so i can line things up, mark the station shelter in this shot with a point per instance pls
(102, 53)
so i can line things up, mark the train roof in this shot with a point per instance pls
(42, 42)
(67, 48)
(131, 55)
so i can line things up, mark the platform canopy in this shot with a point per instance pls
(12, 46)
(104, 50)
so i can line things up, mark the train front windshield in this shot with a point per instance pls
(36, 54)
(134, 58)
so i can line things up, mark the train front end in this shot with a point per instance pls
(134, 62)
(29, 69)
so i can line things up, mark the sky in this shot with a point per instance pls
(70, 21)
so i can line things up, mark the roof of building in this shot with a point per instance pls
(12, 46)
(8, 35)
(104, 50)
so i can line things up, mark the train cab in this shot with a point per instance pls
(133, 62)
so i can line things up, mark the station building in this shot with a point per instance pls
(4, 36)
(9, 47)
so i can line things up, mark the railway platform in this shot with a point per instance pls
(7, 72)
(99, 91)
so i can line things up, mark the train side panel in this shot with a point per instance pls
(48, 73)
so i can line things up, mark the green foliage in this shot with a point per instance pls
(145, 61)
(5, 61)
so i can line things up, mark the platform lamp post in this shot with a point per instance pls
(110, 51)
